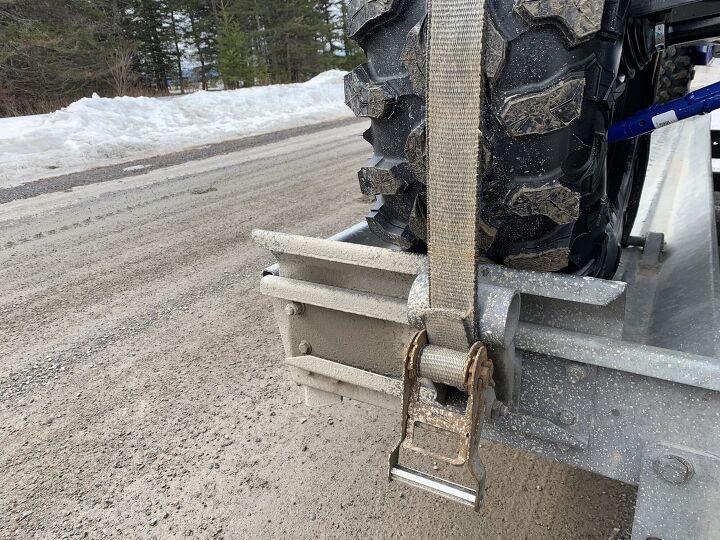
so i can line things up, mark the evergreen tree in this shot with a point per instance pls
(352, 54)
(329, 10)
(203, 31)
(283, 38)
(49, 51)
(174, 9)
(233, 50)
(53, 52)
(295, 40)
(121, 50)
(150, 31)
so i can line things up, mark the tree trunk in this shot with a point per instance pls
(178, 54)
(327, 7)
(288, 60)
(346, 40)
(201, 57)
(157, 57)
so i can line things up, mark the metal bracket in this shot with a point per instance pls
(659, 36)
(678, 494)
(475, 377)
(497, 309)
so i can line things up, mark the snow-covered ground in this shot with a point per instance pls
(100, 131)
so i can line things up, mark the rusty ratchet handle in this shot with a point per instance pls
(471, 372)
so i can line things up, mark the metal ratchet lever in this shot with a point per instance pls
(473, 374)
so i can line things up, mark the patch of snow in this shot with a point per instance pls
(11, 127)
(134, 168)
(99, 131)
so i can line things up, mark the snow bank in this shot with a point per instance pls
(98, 131)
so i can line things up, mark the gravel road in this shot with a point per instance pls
(142, 390)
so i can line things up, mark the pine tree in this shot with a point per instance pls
(174, 8)
(353, 55)
(329, 10)
(203, 32)
(233, 51)
(49, 52)
(294, 33)
(53, 52)
(120, 49)
(149, 30)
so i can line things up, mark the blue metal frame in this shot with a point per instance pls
(701, 101)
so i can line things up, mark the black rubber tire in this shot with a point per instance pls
(551, 78)
(675, 74)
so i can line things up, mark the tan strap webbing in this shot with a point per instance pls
(454, 107)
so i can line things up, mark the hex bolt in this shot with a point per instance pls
(567, 418)
(294, 308)
(499, 409)
(305, 347)
(673, 469)
(576, 374)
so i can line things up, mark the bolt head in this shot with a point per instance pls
(673, 469)
(305, 347)
(567, 418)
(294, 308)
(499, 409)
(576, 374)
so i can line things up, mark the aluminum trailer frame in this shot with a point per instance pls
(621, 377)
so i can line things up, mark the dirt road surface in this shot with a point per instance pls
(142, 389)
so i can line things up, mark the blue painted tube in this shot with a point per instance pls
(701, 101)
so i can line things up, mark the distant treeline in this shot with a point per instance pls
(54, 52)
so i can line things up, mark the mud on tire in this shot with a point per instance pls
(551, 75)
(674, 75)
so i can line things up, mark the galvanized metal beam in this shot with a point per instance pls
(360, 303)
(346, 381)
(664, 364)
(340, 252)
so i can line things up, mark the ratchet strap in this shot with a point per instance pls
(454, 109)
(472, 373)
(448, 350)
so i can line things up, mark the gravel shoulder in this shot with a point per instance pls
(142, 389)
